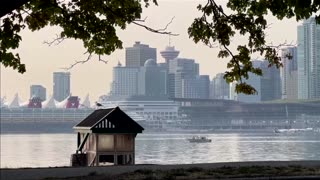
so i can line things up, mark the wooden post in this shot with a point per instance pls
(96, 151)
(79, 140)
(133, 153)
(115, 156)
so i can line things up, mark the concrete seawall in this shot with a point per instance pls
(62, 172)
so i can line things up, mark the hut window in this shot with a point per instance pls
(105, 142)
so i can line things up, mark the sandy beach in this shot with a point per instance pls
(64, 172)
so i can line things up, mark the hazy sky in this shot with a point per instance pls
(95, 77)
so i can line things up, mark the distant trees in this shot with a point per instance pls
(95, 21)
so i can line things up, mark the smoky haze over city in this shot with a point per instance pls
(162, 99)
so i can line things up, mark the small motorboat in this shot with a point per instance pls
(199, 139)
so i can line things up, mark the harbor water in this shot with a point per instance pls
(51, 150)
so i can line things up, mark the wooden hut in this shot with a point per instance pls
(106, 137)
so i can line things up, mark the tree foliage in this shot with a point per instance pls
(94, 22)
(247, 18)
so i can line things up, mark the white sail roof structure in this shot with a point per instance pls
(85, 103)
(50, 103)
(3, 102)
(62, 104)
(15, 103)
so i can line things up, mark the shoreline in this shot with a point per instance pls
(65, 172)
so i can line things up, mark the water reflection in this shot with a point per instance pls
(43, 150)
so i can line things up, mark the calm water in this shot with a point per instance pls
(43, 150)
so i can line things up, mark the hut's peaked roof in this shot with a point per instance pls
(112, 120)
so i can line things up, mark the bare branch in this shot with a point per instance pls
(78, 62)
(284, 44)
(84, 61)
(159, 31)
(55, 41)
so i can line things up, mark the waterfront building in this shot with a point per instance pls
(137, 55)
(61, 85)
(308, 59)
(179, 69)
(154, 112)
(107, 136)
(38, 91)
(289, 73)
(125, 81)
(220, 88)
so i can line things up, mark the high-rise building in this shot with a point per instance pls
(61, 85)
(309, 59)
(38, 91)
(152, 79)
(270, 82)
(137, 55)
(149, 80)
(179, 69)
(233, 94)
(255, 81)
(221, 89)
(125, 81)
(268, 86)
(197, 87)
(289, 73)
(211, 90)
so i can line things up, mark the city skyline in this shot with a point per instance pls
(41, 59)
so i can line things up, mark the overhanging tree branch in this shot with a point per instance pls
(159, 31)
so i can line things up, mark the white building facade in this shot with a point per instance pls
(289, 73)
(309, 60)
(125, 81)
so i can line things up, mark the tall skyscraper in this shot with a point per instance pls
(61, 85)
(149, 80)
(179, 69)
(221, 87)
(309, 59)
(255, 81)
(152, 79)
(125, 81)
(270, 82)
(38, 91)
(197, 87)
(289, 73)
(137, 55)
(268, 85)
